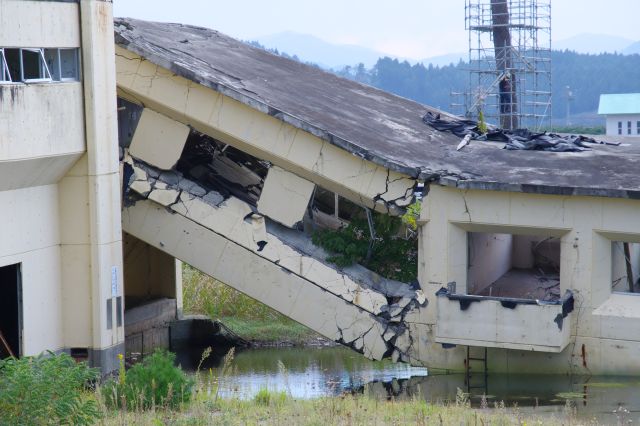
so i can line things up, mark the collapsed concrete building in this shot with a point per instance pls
(227, 153)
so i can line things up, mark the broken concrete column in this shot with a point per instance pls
(158, 140)
(285, 196)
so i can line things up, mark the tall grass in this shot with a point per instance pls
(247, 317)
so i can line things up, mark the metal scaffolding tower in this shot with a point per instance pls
(509, 63)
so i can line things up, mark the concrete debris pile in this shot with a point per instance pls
(519, 139)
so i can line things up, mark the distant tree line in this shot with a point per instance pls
(587, 75)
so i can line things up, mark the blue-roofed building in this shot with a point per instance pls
(622, 112)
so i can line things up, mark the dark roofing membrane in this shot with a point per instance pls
(370, 123)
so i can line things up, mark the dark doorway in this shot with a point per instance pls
(10, 310)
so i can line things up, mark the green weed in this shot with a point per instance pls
(155, 382)
(47, 389)
(392, 256)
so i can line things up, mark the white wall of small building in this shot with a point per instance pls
(625, 119)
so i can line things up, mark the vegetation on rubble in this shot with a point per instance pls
(392, 255)
(245, 316)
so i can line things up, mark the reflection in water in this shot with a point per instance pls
(316, 372)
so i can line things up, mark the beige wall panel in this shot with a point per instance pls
(42, 314)
(35, 171)
(39, 120)
(105, 216)
(158, 140)
(74, 214)
(76, 295)
(39, 24)
(29, 219)
(285, 196)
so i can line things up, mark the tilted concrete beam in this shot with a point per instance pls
(261, 135)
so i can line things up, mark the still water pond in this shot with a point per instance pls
(318, 372)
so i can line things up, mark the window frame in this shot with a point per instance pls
(5, 68)
(43, 65)
(619, 127)
(76, 58)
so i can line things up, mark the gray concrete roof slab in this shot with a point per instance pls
(370, 123)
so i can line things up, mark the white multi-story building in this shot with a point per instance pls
(60, 232)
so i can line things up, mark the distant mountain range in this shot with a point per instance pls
(595, 43)
(309, 48)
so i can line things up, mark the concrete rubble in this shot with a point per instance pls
(377, 330)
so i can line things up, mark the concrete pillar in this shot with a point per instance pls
(105, 233)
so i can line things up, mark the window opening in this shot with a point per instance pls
(625, 267)
(12, 56)
(517, 266)
(638, 127)
(34, 65)
(628, 127)
(119, 311)
(109, 314)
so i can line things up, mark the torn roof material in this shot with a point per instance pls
(370, 123)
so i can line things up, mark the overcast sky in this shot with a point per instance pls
(405, 28)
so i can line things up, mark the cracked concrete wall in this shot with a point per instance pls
(261, 135)
(368, 319)
(603, 333)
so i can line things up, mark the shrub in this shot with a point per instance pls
(392, 256)
(47, 389)
(156, 381)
